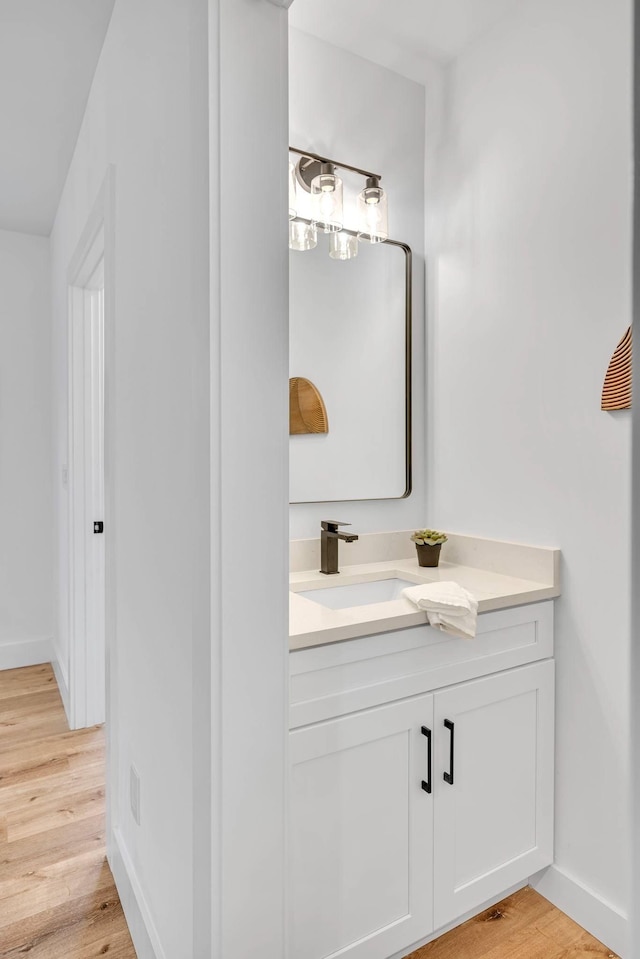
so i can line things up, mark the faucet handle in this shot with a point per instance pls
(331, 525)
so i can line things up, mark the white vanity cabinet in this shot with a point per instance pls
(407, 815)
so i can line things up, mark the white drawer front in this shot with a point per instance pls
(332, 680)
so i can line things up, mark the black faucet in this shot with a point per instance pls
(329, 537)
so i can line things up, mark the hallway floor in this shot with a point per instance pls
(57, 895)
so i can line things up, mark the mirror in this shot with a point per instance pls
(350, 337)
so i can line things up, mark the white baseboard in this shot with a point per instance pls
(63, 688)
(599, 917)
(143, 932)
(26, 652)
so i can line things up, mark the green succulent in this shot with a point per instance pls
(429, 537)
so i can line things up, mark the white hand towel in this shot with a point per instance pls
(448, 606)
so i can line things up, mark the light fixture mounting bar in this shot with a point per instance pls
(341, 166)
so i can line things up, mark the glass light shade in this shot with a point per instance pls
(326, 202)
(373, 217)
(302, 236)
(343, 246)
(292, 192)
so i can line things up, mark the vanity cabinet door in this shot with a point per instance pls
(361, 833)
(494, 810)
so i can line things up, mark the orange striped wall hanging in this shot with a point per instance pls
(616, 392)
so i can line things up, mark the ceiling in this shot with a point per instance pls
(401, 33)
(49, 50)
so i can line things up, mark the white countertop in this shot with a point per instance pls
(311, 624)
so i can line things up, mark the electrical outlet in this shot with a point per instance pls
(134, 793)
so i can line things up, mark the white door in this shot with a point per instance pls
(493, 786)
(87, 655)
(361, 833)
(94, 478)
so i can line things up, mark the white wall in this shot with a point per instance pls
(147, 115)
(348, 108)
(25, 451)
(249, 446)
(533, 293)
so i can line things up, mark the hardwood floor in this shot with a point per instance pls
(524, 926)
(57, 895)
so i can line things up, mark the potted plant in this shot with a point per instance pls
(428, 545)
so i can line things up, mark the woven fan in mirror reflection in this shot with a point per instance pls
(307, 412)
(616, 392)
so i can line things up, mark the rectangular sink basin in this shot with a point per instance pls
(357, 594)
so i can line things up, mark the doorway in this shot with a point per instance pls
(87, 674)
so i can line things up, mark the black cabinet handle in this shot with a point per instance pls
(448, 777)
(426, 785)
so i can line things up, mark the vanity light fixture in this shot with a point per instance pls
(326, 199)
(343, 245)
(323, 210)
(292, 192)
(373, 216)
(302, 235)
